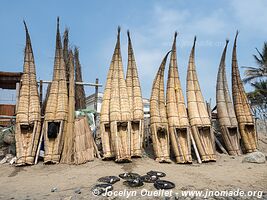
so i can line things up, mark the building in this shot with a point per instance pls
(92, 105)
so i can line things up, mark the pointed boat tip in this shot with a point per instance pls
(26, 28)
(119, 30)
(195, 39)
(237, 32)
(175, 34)
(227, 41)
(128, 33)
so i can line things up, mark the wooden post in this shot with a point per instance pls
(96, 94)
(41, 93)
(17, 94)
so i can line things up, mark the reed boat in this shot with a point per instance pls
(28, 114)
(56, 112)
(197, 112)
(242, 108)
(225, 110)
(176, 112)
(158, 117)
(135, 102)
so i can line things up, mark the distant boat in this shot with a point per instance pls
(176, 111)
(198, 115)
(56, 112)
(158, 117)
(28, 116)
(242, 108)
(225, 110)
(135, 102)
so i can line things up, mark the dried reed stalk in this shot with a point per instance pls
(225, 110)
(28, 116)
(66, 52)
(83, 142)
(120, 113)
(176, 111)
(68, 148)
(80, 99)
(57, 106)
(135, 102)
(242, 108)
(198, 115)
(158, 117)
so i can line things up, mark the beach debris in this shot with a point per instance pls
(129, 175)
(149, 178)
(109, 179)
(156, 173)
(163, 184)
(54, 189)
(136, 182)
(255, 157)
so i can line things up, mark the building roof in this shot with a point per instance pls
(8, 80)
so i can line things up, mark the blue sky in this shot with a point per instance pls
(93, 26)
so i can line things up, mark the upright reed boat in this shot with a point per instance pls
(242, 108)
(176, 111)
(158, 117)
(198, 115)
(56, 112)
(135, 102)
(120, 113)
(225, 110)
(28, 116)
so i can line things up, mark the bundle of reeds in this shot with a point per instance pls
(66, 52)
(68, 148)
(158, 117)
(80, 99)
(176, 111)
(84, 147)
(198, 115)
(28, 116)
(225, 110)
(105, 132)
(120, 113)
(135, 102)
(56, 111)
(242, 108)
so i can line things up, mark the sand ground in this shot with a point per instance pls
(36, 182)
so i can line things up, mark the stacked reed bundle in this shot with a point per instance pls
(120, 113)
(80, 99)
(105, 132)
(242, 108)
(176, 111)
(198, 115)
(158, 117)
(135, 102)
(57, 108)
(66, 52)
(28, 116)
(225, 110)
(68, 148)
(84, 147)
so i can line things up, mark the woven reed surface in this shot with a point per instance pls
(57, 102)
(176, 109)
(80, 99)
(242, 107)
(133, 85)
(29, 111)
(176, 112)
(197, 111)
(119, 100)
(67, 153)
(57, 105)
(225, 108)
(83, 142)
(157, 100)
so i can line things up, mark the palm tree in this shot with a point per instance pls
(254, 73)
